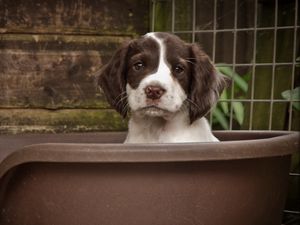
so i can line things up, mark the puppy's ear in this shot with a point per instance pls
(112, 80)
(206, 84)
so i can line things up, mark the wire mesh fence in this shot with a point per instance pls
(240, 42)
(256, 43)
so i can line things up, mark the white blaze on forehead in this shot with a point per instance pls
(161, 48)
(163, 73)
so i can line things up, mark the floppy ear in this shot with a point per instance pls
(112, 80)
(206, 84)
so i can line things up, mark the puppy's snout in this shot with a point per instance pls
(154, 92)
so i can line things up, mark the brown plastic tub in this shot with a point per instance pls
(241, 181)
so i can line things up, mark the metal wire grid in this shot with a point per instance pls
(255, 29)
(253, 64)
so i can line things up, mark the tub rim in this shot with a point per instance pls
(281, 144)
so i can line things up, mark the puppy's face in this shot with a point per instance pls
(159, 75)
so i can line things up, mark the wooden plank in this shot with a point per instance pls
(39, 120)
(74, 17)
(45, 42)
(53, 71)
(49, 54)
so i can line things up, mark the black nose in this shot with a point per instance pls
(154, 92)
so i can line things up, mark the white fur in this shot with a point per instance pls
(176, 129)
(168, 121)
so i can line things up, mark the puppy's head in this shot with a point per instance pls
(159, 75)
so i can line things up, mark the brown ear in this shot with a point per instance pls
(112, 80)
(206, 84)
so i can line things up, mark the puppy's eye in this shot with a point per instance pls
(178, 69)
(138, 66)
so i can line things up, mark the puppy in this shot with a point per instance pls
(166, 86)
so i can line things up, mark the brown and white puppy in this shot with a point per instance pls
(166, 85)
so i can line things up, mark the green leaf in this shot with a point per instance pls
(239, 81)
(238, 110)
(220, 118)
(224, 105)
(292, 95)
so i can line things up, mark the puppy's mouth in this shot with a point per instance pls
(154, 111)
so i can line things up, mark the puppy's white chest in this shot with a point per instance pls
(176, 131)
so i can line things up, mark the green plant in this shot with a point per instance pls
(293, 95)
(221, 113)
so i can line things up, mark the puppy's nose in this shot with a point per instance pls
(154, 92)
